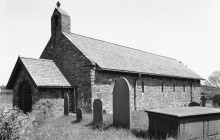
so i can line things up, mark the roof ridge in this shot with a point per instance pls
(36, 58)
(123, 46)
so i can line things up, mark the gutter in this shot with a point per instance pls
(61, 87)
(143, 73)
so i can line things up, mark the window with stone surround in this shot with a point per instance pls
(173, 87)
(184, 87)
(135, 85)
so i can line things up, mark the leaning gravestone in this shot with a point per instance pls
(66, 104)
(121, 103)
(97, 111)
(78, 114)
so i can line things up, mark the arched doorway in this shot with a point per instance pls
(24, 98)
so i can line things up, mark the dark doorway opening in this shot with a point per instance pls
(25, 98)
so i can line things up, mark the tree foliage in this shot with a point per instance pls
(213, 80)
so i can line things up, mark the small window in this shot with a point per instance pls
(173, 87)
(184, 87)
(142, 84)
(162, 87)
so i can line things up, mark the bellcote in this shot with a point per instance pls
(60, 21)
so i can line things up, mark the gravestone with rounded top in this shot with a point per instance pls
(97, 111)
(78, 114)
(66, 104)
(121, 103)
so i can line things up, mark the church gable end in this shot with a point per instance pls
(60, 21)
(73, 64)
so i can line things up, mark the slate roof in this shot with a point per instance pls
(113, 57)
(44, 72)
(61, 11)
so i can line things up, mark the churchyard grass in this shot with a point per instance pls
(66, 127)
(49, 123)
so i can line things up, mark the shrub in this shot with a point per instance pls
(14, 123)
(46, 108)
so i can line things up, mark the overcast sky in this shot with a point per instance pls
(187, 30)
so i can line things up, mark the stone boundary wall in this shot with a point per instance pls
(152, 97)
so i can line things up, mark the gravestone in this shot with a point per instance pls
(78, 114)
(203, 100)
(216, 101)
(121, 103)
(97, 111)
(66, 104)
(193, 104)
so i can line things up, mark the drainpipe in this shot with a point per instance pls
(135, 92)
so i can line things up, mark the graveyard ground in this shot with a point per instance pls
(65, 127)
(59, 126)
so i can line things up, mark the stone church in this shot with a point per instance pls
(87, 68)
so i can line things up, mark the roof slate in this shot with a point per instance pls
(44, 72)
(109, 56)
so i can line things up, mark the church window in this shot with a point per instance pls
(173, 87)
(184, 87)
(135, 83)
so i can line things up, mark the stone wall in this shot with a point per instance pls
(74, 65)
(152, 96)
(56, 93)
(21, 77)
(36, 93)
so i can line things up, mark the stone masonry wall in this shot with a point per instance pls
(22, 77)
(152, 97)
(74, 65)
(55, 93)
(36, 93)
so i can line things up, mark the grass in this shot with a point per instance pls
(49, 123)
(65, 127)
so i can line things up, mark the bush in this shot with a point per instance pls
(46, 108)
(14, 123)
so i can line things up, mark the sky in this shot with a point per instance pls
(186, 30)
